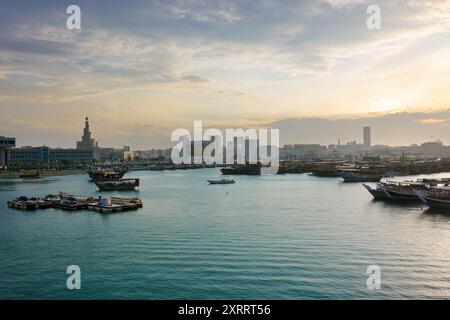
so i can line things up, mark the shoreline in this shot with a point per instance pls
(45, 173)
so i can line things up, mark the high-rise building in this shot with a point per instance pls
(366, 137)
(87, 142)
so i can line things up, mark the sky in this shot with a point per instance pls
(140, 69)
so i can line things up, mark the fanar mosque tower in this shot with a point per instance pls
(87, 142)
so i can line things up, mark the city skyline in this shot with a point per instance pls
(89, 142)
(311, 68)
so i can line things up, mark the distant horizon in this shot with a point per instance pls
(362, 119)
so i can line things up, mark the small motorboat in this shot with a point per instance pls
(30, 175)
(222, 181)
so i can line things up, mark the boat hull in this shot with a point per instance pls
(116, 188)
(432, 202)
(30, 175)
(220, 182)
(325, 174)
(402, 196)
(118, 185)
(376, 193)
(361, 178)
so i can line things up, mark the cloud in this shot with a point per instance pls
(35, 46)
(194, 78)
(230, 59)
(290, 37)
(433, 121)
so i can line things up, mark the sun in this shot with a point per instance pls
(384, 104)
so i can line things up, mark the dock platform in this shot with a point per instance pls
(67, 202)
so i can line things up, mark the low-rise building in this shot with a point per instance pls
(58, 156)
(6, 143)
(153, 153)
(29, 156)
(44, 156)
(302, 151)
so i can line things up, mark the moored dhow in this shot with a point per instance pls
(118, 185)
(355, 175)
(391, 190)
(435, 197)
(242, 169)
(325, 169)
(378, 193)
(30, 175)
(102, 175)
(403, 190)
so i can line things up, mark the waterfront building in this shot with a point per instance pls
(6, 143)
(29, 156)
(433, 149)
(153, 154)
(127, 153)
(69, 156)
(367, 137)
(109, 154)
(112, 154)
(46, 157)
(302, 151)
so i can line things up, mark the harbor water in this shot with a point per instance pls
(265, 237)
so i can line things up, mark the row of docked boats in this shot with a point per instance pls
(432, 192)
(118, 184)
(68, 202)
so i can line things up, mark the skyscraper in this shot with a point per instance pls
(366, 137)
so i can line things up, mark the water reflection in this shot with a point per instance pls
(403, 204)
(443, 213)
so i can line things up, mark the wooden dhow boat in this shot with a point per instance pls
(104, 175)
(404, 190)
(435, 197)
(118, 185)
(357, 176)
(30, 175)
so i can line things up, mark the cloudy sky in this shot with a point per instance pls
(140, 69)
